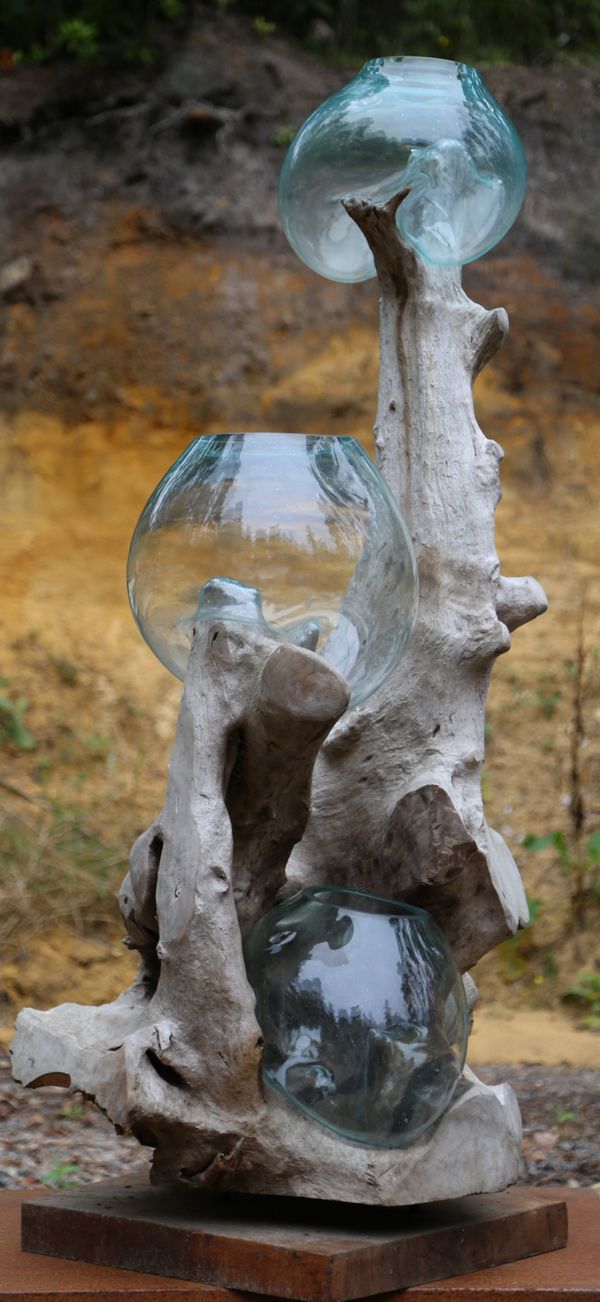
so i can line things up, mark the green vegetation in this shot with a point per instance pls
(585, 993)
(263, 27)
(90, 31)
(521, 30)
(580, 864)
(284, 136)
(73, 1112)
(548, 697)
(12, 726)
(64, 826)
(59, 1175)
(53, 869)
(38, 31)
(515, 952)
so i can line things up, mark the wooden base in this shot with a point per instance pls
(571, 1275)
(289, 1248)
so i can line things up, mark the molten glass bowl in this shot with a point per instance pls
(363, 1013)
(427, 124)
(296, 535)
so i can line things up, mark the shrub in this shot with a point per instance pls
(522, 30)
(38, 31)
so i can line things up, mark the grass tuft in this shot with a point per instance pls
(54, 869)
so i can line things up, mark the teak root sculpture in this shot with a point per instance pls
(395, 807)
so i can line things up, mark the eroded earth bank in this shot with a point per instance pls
(148, 296)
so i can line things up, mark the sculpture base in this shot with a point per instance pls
(289, 1248)
(474, 1149)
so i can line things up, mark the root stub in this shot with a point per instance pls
(300, 683)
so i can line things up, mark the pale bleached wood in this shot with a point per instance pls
(184, 1042)
(176, 1059)
(269, 1148)
(397, 803)
(396, 808)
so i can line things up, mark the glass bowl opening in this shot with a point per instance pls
(296, 534)
(427, 124)
(362, 1010)
(354, 901)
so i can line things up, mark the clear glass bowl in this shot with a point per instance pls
(363, 1013)
(430, 124)
(295, 534)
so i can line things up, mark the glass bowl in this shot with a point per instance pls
(295, 534)
(363, 1013)
(430, 124)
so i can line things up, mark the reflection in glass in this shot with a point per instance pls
(429, 124)
(294, 534)
(363, 1013)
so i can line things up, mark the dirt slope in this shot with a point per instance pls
(148, 295)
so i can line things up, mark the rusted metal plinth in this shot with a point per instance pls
(288, 1248)
(571, 1275)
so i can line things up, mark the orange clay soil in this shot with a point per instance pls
(188, 337)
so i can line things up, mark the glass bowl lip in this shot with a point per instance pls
(395, 908)
(262, 434)
(272, 441)
(430, 63)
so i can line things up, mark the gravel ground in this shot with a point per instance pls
(51, 1138)
(56, 1139)
(560, 1108)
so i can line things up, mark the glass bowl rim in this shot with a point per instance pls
(420, 60)
(258, 434)
(396, 908)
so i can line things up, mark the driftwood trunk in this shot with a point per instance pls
(396, 807)
(397, 804)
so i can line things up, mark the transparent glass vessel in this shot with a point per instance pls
(297, 535)
(363, 1013)
(430, 124)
